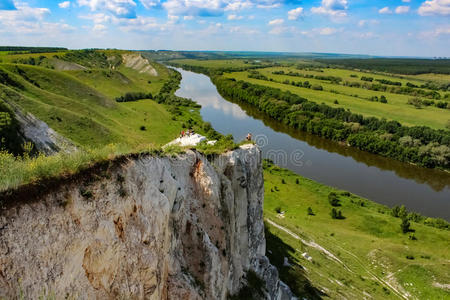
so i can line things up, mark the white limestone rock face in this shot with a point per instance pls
(44, 138)
(148, 227)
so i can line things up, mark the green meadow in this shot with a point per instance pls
(355, 99)
(363, 254)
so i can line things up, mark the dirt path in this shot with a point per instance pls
(333, 257)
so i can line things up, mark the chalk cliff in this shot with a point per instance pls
(143, 226)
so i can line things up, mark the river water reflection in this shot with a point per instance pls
(380, 179)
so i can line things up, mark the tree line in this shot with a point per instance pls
(431, 148)
(382, 86)
(24, 50)
(403, 90)
(134, 96)
(167, 95)
(394, 65)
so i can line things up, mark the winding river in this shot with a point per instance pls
(380, 179)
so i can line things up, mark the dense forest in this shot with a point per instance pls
(20, 50)
(393, 65)
(419, 144)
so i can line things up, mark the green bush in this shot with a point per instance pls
(336, 214)
(333, 199)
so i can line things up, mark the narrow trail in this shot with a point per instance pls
(335, 258)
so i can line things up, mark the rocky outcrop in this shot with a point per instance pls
(183, 227)
(44, 138)
(139, 63)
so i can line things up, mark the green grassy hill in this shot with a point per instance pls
(107, 102)
(80, 103)
(363, 254)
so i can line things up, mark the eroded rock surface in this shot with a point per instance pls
(139, 63)
(44, 138)
(152, 228)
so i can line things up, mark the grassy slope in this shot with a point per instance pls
(396, 108)
(369, 242)
(123, 80)
(80, 105)
(441, 78)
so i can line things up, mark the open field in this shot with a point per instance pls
(355, 99)
(222, 63)
(361, 255)
(441, 78)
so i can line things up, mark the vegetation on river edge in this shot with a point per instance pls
(419, 144)
(365, 253)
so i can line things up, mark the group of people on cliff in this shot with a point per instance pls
(188, 133)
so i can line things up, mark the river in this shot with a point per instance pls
(380, 179)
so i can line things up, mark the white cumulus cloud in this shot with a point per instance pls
(29, 20)
(206, 8)
(385, 10)
(119, 8)
(294, 14)
(435, 7)
(150, 3)
(64, 4)
(335, 8)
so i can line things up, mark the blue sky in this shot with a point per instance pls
(376, 27)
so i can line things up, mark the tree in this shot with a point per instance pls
(405, 225)
(416, 102)
(402, 213)
(399, 212)
(333, 199)
(310, 211)
(336, 214)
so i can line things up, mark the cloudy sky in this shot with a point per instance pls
(376, 27)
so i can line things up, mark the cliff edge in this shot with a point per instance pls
(182, 227)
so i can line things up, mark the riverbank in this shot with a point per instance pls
(363, 253)
(380, 179)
